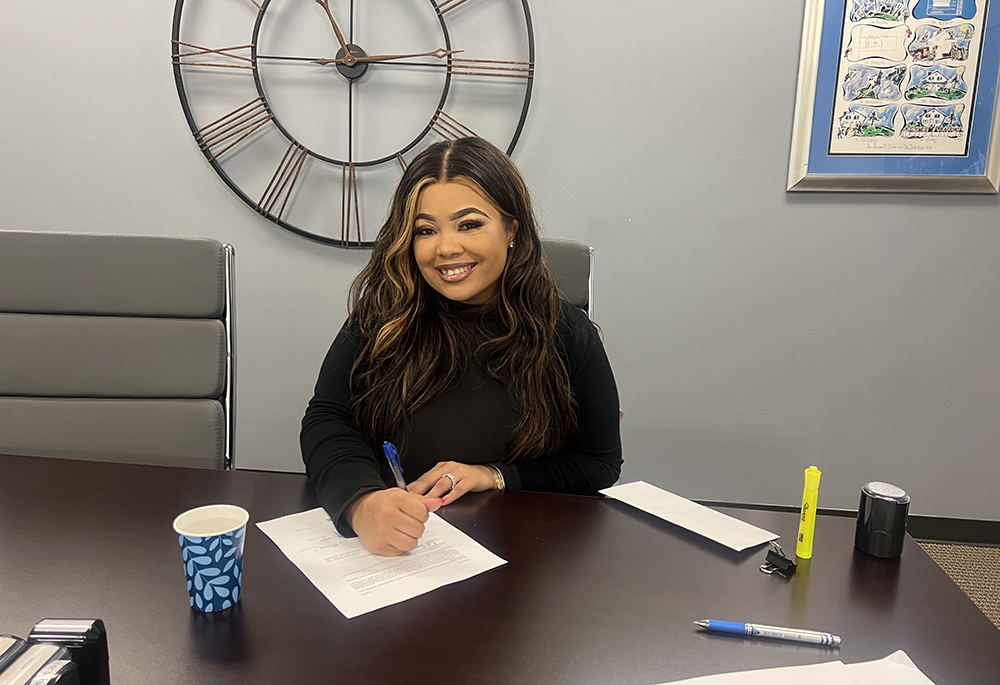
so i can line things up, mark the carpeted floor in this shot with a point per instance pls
(974, 569)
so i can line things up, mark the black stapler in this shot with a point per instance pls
(87, 642)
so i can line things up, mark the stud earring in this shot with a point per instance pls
(511, 245)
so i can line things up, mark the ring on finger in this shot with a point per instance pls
(452, 479)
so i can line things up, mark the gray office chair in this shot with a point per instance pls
(117, 348)
(572, 265)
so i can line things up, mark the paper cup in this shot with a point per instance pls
(211, 540)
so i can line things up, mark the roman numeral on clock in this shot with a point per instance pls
(491, 67)
(449, 127)
(226, 132)
(234, 61)
(350, 209)
(282, 182)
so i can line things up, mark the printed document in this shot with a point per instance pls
(357, 581)
(714, 525)
(895, 669)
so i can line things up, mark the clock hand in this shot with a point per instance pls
(440, 53)
(348, 58)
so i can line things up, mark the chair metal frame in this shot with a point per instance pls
(590, 284)
(229, 459)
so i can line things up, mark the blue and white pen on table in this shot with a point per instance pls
(757, 630)
(392, 454)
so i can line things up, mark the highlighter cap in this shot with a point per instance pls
(812, 478)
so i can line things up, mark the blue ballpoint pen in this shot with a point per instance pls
(757, 630)
(392, 454)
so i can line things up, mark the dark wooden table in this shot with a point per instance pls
(594, 591)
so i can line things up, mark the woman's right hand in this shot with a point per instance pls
(390, 522)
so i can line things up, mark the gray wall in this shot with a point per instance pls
(753, 333)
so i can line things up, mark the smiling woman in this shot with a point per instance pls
(460, 241)
(458, 350)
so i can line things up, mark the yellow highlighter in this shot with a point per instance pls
(807, 518)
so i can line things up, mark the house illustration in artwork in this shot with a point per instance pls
(933, 43)
(934, 82)
(932, 120)
(851, 123)
(937, 82)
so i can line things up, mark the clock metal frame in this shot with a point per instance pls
(217, 138)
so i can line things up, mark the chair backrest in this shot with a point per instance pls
(572, 265)
(117, 348)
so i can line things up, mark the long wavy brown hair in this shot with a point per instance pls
(415, 344)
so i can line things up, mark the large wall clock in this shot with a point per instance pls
(309, 110)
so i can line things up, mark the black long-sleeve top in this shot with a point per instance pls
(469, 423)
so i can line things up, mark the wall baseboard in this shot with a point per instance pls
(943, 529)
(931, 528)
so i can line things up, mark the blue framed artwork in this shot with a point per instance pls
(898, 96)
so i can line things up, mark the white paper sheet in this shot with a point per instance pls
(827, 673)
(895, 669)
(357, 581)
(731, 532)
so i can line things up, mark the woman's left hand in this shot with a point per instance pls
(468, 478)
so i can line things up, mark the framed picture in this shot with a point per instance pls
(898, 96)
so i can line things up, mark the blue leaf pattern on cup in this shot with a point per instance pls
(214, 569)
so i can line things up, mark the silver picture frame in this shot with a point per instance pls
(805, 176)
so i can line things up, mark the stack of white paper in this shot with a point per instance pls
(895, 669)
(714, 525)
(357, 581)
